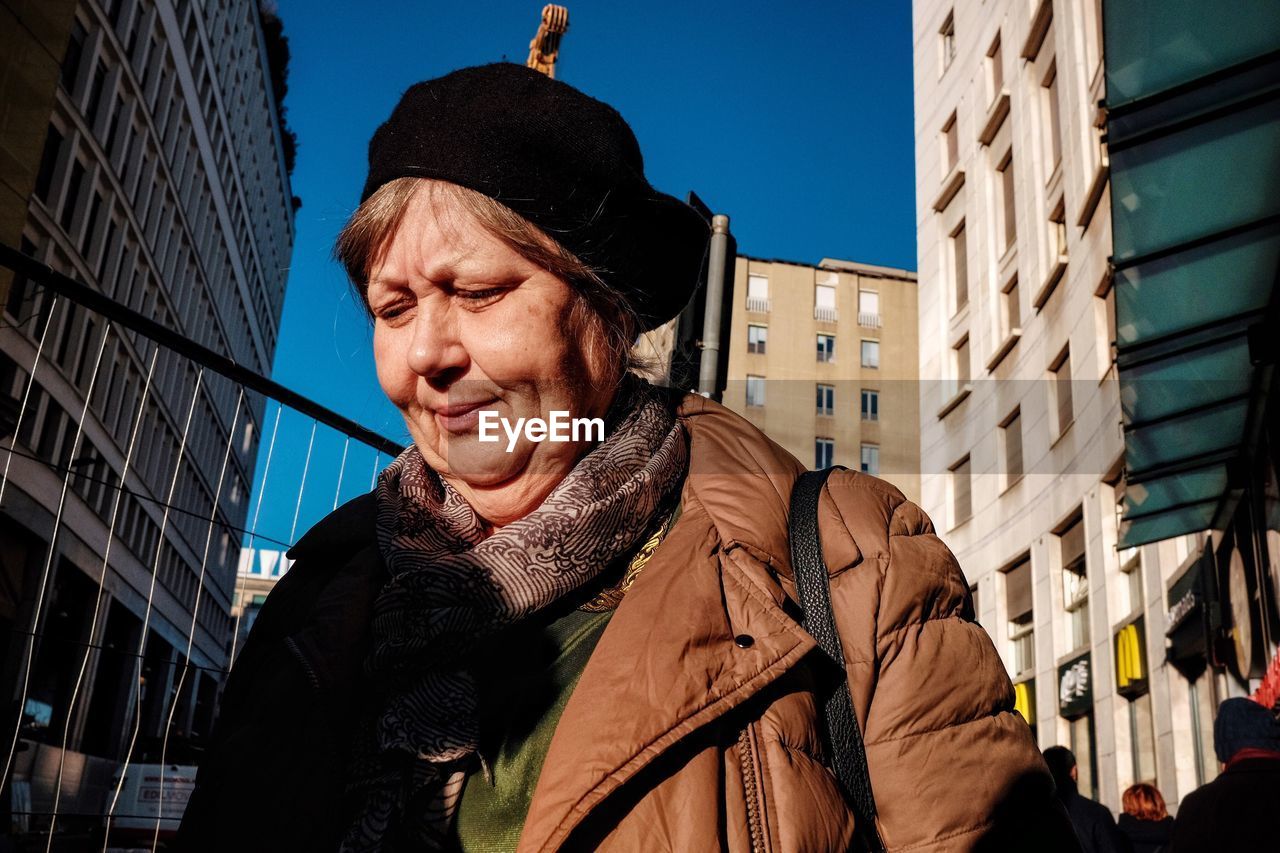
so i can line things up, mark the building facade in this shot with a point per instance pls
(162, 184)
(823, 359)
(1022, 449)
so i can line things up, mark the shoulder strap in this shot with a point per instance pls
(813, 584)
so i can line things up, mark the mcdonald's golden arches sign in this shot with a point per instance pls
(1131, 659)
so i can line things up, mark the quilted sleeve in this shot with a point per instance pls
(952, 766)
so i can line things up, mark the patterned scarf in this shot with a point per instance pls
(451, 586)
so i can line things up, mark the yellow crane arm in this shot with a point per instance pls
(545, 46)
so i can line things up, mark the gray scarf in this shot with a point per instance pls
(451, 586)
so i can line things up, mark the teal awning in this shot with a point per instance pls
(1193, 132)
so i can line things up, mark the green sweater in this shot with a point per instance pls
(526, 678)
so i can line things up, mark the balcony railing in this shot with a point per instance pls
(869, 320)
(825, 313)
(129, 462)
(759, 304)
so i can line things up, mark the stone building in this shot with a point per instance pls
(160, 182)
(823, 359)
(1022, 448)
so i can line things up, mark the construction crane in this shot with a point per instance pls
(545, 47)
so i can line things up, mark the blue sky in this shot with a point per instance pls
(798, 125)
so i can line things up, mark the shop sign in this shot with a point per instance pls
(1131, 659)
(1075, 687)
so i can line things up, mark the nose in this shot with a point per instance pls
(436, 351)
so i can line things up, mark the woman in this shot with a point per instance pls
(1145, 821)
(591, 643)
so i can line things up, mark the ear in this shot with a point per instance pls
(1075, 774)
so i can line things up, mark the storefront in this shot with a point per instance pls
(1075, 705)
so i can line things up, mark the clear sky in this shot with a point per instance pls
(795, 120)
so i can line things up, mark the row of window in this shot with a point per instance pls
(824, 301)
(146, 190)
(1008, 306)
(826, 398)
(1010, 442)
(50, 434)
(256, 204)
(758, 339)
(824, 454)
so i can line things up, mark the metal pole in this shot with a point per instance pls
(708, 381)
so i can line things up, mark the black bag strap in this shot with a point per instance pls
(814, 586)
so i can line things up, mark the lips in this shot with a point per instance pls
(460, 417)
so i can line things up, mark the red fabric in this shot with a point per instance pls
(1253, 752)
(1268, 693)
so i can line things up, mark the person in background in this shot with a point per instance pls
(1145, 821)
(1236, 811)
(1094, 825)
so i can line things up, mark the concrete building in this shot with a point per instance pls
(1022, 449)
(824, 360)
(162, 183)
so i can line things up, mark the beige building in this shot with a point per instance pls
(1021, 443)
(824, 360)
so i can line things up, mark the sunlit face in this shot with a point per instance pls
(463, 323)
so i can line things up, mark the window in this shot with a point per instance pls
(961, 356)
(870, 461)
(947, 35)
(1081, 744)
(757, 293)
(870, 353)
(1053, 146)
(960, 267)
(757, 337)
(1058, 231)
(1011, 306)
(48, 161)
(869, 308)
(755, 390)
(1009, 211)
(1105, 322)
(870, 405)
(1061, 370)
(824, 450)
(961, 495)
(1075, 581)
(1017, 597)
(1093, 33)
(826, 400)
(1142, 739)
(826, 348)
(1011, 438)
(824, 303)
(950, 145)
(995, 68)
(1131, 589)
(71, 59)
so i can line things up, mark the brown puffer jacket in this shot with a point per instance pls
(694, 724)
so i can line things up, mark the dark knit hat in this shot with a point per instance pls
(563, 160)
(1242, 724)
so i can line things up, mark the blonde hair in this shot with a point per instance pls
(600, 312)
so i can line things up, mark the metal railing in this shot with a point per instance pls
(869, 320)
(759, 304)
(825, 313)
(128, 492)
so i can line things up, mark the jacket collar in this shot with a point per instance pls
(672, 658)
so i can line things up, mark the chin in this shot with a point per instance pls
(482, 466)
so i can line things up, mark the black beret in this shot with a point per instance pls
(563, 160)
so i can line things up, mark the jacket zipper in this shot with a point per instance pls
(751, 790)
(307, 669)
